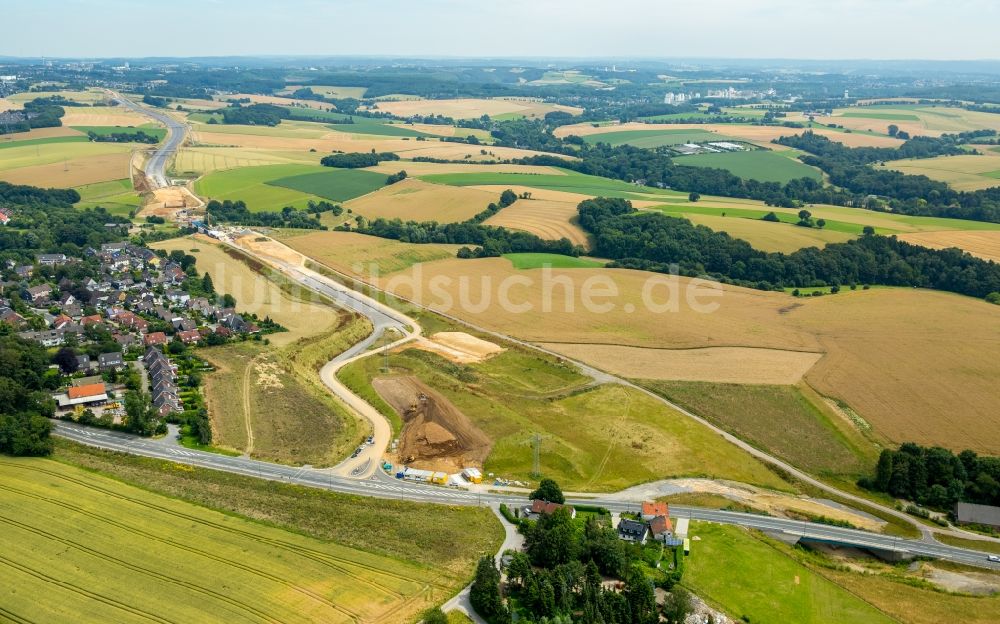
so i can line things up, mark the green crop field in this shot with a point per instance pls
(602, 438)
(80, 547)
(747, 577)
(251, 185)
(762, 165)
(555, 261)
(656, 138)
(117, 197)
(149, 129)
(571, 182)
(10, 140)
(780, 419)
(333, 184)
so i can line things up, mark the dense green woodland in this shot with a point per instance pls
(38, 113)
(936, 477)
(45, 221)
(25, 403)
(655, 242)
(237, 212)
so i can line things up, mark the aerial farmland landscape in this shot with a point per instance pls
(452, 312)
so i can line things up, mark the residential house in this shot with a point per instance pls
(51, 259)
(24, 271)
(189, 336)
(48, 338)
(39, 294)
(155, 339)
(110, 361)
(11, 317)
(651, 509)
(178, 297)
(92, 394)
(83, 362)
(540, 507)
(61, 321)
(661, 528)
(632, 530)
(5, 215)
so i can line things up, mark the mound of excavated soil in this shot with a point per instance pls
(459, 347)
(436, 435)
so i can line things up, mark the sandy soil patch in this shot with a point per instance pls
(422, 201)
(167, 202)
(985, 245)
(269, 249)
(435, 435)
(74, 172)
(459, 347)
(718, 364)
(544, 218)
(300, 314)
(965, 581)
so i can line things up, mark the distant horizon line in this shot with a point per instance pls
(500, 58)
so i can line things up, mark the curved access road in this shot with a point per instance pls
(156, 167)
(366, 305)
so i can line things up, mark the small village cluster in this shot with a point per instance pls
(135, 297)
(652, 523)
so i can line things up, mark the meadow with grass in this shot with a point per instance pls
(763, 165)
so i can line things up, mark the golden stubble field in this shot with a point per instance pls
(545, 218)
(762, 135)
(469, 108)
(416, 200)
(985, 245)
(918, 365)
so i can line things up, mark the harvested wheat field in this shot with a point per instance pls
(435, 435)
(72, 172)
(547, 219)
(103, 116)
(470, 108)
(767, 236)
(917, 365)
(38, 133)
(416, 200)
(414, 169)
(761, 135)
(6, 104)
(719, 364)
(201, 160)
(357, 254)
(985, 245)
(458, 347)
(301, 314)
(293, 139)
(967, 172)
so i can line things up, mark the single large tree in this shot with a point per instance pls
(548, 490)
(485, 591)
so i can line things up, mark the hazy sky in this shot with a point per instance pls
(897, 29)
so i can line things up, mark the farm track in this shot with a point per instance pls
(6, 615)
(315, 555)
(248, 450)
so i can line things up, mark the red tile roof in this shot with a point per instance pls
(650, 508)
(155, 338)
(540, 506)
(79, 392)
(660, 525)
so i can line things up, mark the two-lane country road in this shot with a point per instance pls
(156, 168)
(376, 487)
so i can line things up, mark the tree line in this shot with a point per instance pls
(489, 241)
(123, 137)
(237, 212)
(655, 242)
(25, 403)
(357, 160)
(935, 476)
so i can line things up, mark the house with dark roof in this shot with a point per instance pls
(632, 530)
(110, 361)
(51, 259)
(39, 294)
